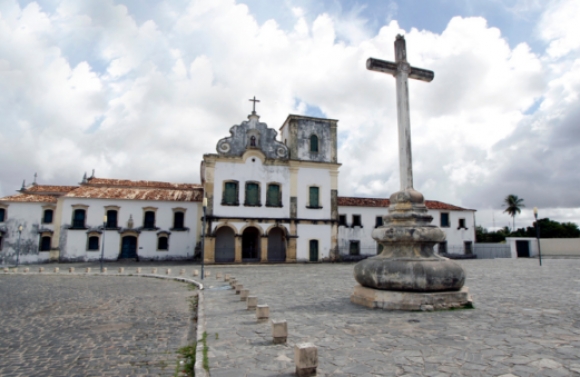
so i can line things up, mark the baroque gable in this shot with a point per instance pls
(252, 134)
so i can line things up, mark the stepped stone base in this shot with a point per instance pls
(401, 300)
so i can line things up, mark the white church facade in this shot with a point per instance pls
(269, 199)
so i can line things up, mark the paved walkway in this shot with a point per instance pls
(91, 326)
(526, 323)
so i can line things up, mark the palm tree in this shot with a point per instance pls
(514, 205)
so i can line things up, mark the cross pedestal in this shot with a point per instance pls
(408, 275)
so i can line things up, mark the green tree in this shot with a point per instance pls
(514, 206)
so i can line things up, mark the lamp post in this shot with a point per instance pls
(203, 237)
(103, 244)
(538, 234)
(18, 251)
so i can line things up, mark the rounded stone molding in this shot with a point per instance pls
(224, 147)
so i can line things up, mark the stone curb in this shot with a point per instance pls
(198, 368)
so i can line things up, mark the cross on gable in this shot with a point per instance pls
(254, 100)
(402, 71)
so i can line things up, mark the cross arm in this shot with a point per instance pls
(421, 74)
(381, 66)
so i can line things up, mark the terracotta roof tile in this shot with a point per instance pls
(50, 189)
(100, 182)
(191, 195)
(346, 201)
(30, 198)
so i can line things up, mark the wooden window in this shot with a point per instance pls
(45, 243)
(79, 216)
(47, 216)
(354, 248)
(162, 243)
(444, 220)
(313, 197)
(274, 196)
(2, 215)
(178, 220)
(252, 194)
(442, 249)
(313, 143)
(461, 224)
(378, 221)
(356, 221)
(230, 196)
(112, 218)
(93, 243)
(149, 221)
(341, 220)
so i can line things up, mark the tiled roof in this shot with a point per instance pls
(346, 201)
(141, 184)
(50, 189)
(30, 198)
(190, 195)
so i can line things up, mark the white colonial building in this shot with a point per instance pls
(269, 199)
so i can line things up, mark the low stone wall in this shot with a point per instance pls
(560, 247)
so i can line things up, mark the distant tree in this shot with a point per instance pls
(548, 229)
(514, 205)
(484, 235)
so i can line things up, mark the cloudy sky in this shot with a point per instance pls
(141, 89)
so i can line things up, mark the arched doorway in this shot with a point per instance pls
(128, 248)
(276, 245)
(251, 245)
(225, 245)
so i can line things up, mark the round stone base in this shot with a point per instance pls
(400, 300)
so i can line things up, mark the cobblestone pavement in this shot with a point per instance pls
(526, 323)
(91, 326)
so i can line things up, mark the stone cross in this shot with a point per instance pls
(402, 70)
(254, 104)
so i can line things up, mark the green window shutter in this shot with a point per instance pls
(273, 197)
(231, 193)
(313, 143)
(314, 197)
(252, 194)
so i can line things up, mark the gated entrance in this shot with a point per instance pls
(276, 245)
(523, 249)
(128, 248)
(225, 245)
(251, 245)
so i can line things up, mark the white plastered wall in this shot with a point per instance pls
(320, 178)
(307, 232)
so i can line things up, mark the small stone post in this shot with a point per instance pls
(227, 277)
(71, 270)
(252, 302)
(5, 269)
(239, 288)
(138, 270)
(279, 331)
(232, 282)
(26, 269)
(153, 270)
(56, 269)
(104, 270)
(40, 270)
(88, 270)
(244, 293)
(195, 273)
(168, 271)
(182, 272)
(306, 359)
(262, 312)
(121, 270)
(218, 275)
(207, 273)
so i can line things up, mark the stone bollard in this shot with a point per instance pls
(121, 270)
(88, 270)
(227, 277)
(279, 331)
(244, 293)
(40, 270)
(306, 359)
(5, 269)
(56, 269)
(26, 269)
(71, 270)
(195, 273)
(182, 272)
(153, 270)
(233, 282)
(104, 270)
(252, 302)
(207, 273)
(262, 312)
(138, 270)
(168, 271)
(218, 275)
(239, 287)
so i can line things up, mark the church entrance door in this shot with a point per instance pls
(251, 245)
(128, 247)
(225, 245)
(276, 245)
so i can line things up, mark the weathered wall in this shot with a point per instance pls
(569, 247)
(307, 232)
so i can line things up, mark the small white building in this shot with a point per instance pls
(268, 200)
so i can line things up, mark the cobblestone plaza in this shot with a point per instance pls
(525, 323)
